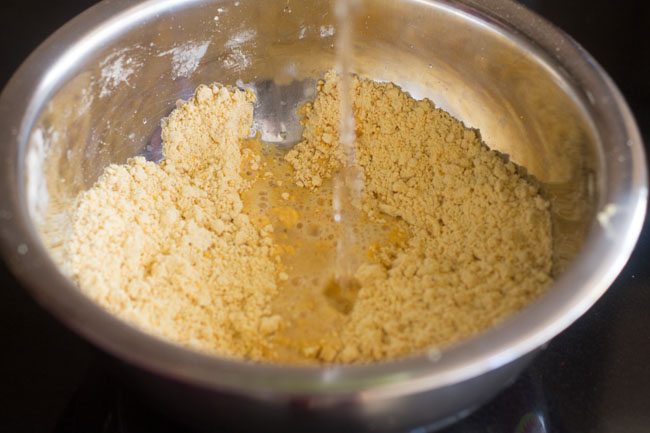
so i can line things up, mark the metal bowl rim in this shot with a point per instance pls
(580, 286)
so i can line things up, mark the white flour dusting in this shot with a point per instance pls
(86, 101)
(237, 60)
(240, 38)
(186, 58)
(605, 217)
(116, 69)
(37, 195)
(327, 31)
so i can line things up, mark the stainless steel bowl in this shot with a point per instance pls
(94, 92)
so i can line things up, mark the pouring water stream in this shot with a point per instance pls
(348, 183)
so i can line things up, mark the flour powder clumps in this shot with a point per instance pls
(174, 249)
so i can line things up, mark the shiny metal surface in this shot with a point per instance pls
(95, 91)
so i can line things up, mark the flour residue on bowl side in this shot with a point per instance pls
(240, 38)
(116, 69)
(37, 195)
(186, 58)
(236, 57)
(327, 31)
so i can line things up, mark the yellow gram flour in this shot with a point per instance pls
(227, 246)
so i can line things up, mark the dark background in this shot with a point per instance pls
(595, 377)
